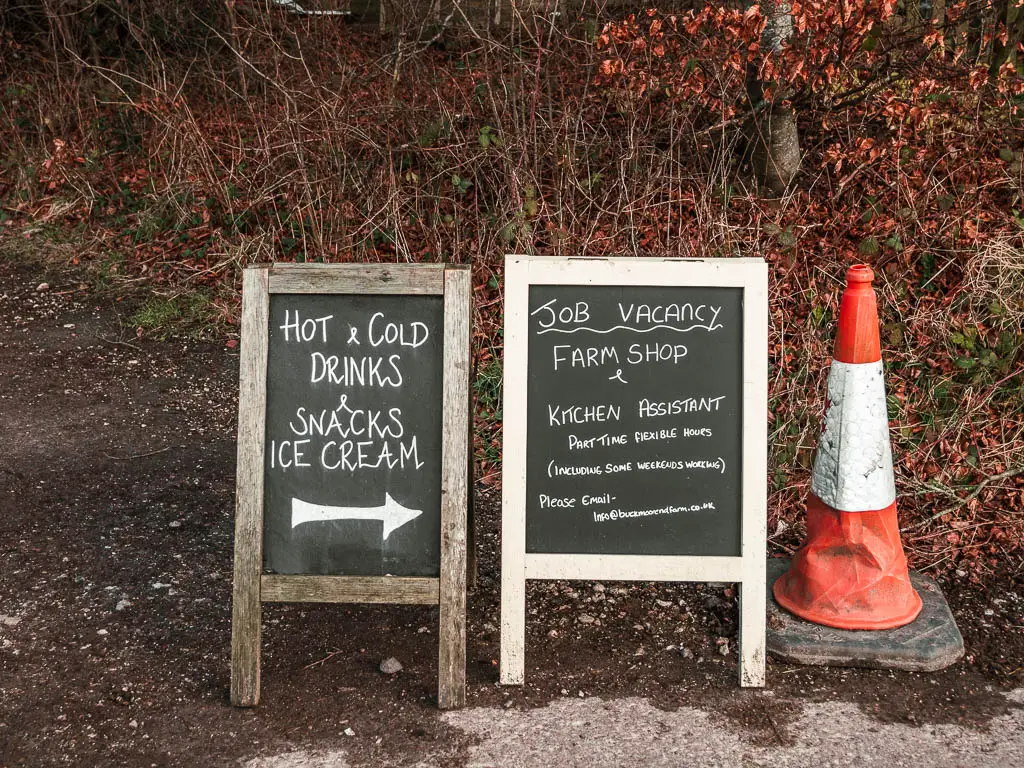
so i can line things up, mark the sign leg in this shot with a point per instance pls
(752, 632)
(245, 646)
(246, 606)
(513, 616)
(455, 458)
(451, 679)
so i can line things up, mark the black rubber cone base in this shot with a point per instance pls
(929, 643)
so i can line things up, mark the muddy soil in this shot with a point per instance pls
(117, 485)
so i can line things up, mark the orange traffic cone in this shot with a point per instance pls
(851, 573)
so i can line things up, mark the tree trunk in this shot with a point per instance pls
(938, 19)
(974, 30)
(1002, 53)
(776, 144)
(776, 155)
(912, 14)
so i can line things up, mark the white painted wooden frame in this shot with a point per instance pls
(747, 570)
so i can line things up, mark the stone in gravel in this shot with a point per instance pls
(686, 653)
(664, 603)
(391, 666)
(349, 732)
(42, 287)
(598, 587)
(10, 621)
(585, 618)
(122, 604)
(174, 524)
(723, 646)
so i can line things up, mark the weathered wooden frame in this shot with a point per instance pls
(748, 570)
(252, 587)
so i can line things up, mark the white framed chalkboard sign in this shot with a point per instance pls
(353, 449)
(635, 431)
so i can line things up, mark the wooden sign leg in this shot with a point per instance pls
(513, 608)
(246, 617)
(252, 398)
(451, 683)
(752, 631)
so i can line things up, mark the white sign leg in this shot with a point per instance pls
(513, 615)
(752, 631)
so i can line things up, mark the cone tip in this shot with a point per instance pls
(859, 273)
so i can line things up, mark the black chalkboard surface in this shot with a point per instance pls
(634, 420)
(352, 477)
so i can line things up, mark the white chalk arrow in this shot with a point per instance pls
(392, 514)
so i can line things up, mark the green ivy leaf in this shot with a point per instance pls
(869, 246)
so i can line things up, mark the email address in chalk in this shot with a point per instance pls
(670, 509)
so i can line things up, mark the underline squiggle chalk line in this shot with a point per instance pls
(627, 328)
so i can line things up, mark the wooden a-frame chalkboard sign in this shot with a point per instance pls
(635, 431)
(353, 449)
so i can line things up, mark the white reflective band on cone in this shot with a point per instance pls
(853, 467)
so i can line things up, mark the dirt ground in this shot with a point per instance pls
(117, 484)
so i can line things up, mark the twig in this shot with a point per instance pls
(293, 7)
(142, 455)
(771, 722)
(116, 341)
(932, 488)
(927, 282)
(483, 480)
(326, 658)
(969, 497)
